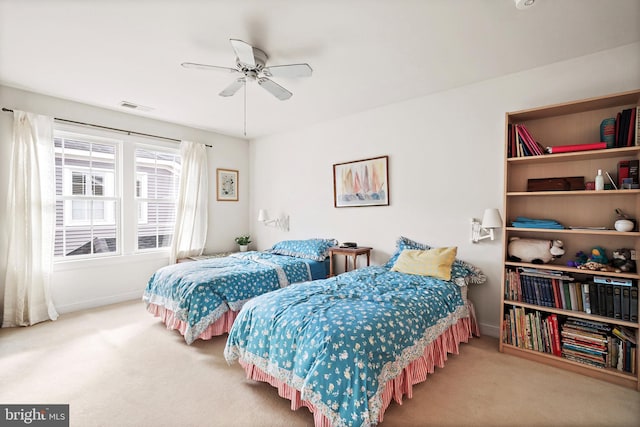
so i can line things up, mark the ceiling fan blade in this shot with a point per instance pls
(233, 87)
(275, 89)
(291, 70)
(195, 66)
(244, 52)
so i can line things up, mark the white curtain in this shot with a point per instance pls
(30, 222)
(191, 217)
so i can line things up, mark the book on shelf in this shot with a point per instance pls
(594, 303)
(631, 127)
(602, 299)
(586, 305)
(613, 297)
(576, 147)
(637, 129)
(634, 166)
(624, 334)
(521, 142)
(609, 299)
(585, 341)
(531, 330)
(626, 303)
(633, 304)
(623, 171)
(627, 127)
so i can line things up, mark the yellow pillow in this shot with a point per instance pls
(434, 262)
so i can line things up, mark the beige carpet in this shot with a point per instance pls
(119, 366)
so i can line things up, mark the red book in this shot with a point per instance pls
(557, 349)
(576, 147)
(529, 139)
(623, 171)
(557, 301)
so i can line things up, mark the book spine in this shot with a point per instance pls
(593, 298)
(633, 171)
(609, 289)
(637, 132)
(633, 304)
(626, 303)
(632, 127)
(567, 295)
(617, 302)
(572, 296)
(586, 303)
(556, 295)
(602, 299)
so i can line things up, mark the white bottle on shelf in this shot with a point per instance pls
(599, 181)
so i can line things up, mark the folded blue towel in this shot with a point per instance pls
(524, 222)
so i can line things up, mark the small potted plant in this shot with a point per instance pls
(243, 242)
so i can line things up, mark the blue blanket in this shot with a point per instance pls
(200, 292)
(339, 340)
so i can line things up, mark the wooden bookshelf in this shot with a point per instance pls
(568, 124)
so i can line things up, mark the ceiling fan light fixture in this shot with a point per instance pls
(251, 75)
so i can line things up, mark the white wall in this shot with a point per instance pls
(445, 164)
(79, 285)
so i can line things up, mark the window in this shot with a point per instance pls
(87, 200)
(156, 192)
(115, 194)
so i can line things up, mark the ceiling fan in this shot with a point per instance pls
(250, 63)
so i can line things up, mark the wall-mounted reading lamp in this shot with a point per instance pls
(282, 223)
(484, 230)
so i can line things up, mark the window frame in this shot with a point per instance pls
(84, 134)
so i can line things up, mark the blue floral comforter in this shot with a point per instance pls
(199, 293)
(339, 340)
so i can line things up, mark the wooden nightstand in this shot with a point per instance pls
(348, 252)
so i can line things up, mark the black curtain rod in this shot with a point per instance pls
(128, 132)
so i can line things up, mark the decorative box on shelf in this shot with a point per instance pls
(571, 183)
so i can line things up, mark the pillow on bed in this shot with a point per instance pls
(462, 272)
(315, 249)
(435, 262)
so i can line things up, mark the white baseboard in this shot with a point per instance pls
(490, 330)
(99, 302)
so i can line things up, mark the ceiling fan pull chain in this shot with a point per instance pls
(245, 107)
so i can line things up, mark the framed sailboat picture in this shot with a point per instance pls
(361, 183)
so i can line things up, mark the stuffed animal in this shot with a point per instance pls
(599, 255)
(624, 260)
(535, 251)
(597, 261)
(581, 258)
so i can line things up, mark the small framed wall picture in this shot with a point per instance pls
(227, 185)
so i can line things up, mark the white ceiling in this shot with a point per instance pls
(364, 53)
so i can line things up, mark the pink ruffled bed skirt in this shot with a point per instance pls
(434, 355)
(219, 327)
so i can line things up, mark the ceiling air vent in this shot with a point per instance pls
(133, 106)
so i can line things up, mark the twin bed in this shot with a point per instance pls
(202, 298)
(348, 345)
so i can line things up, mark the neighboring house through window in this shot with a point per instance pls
(157, 185)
